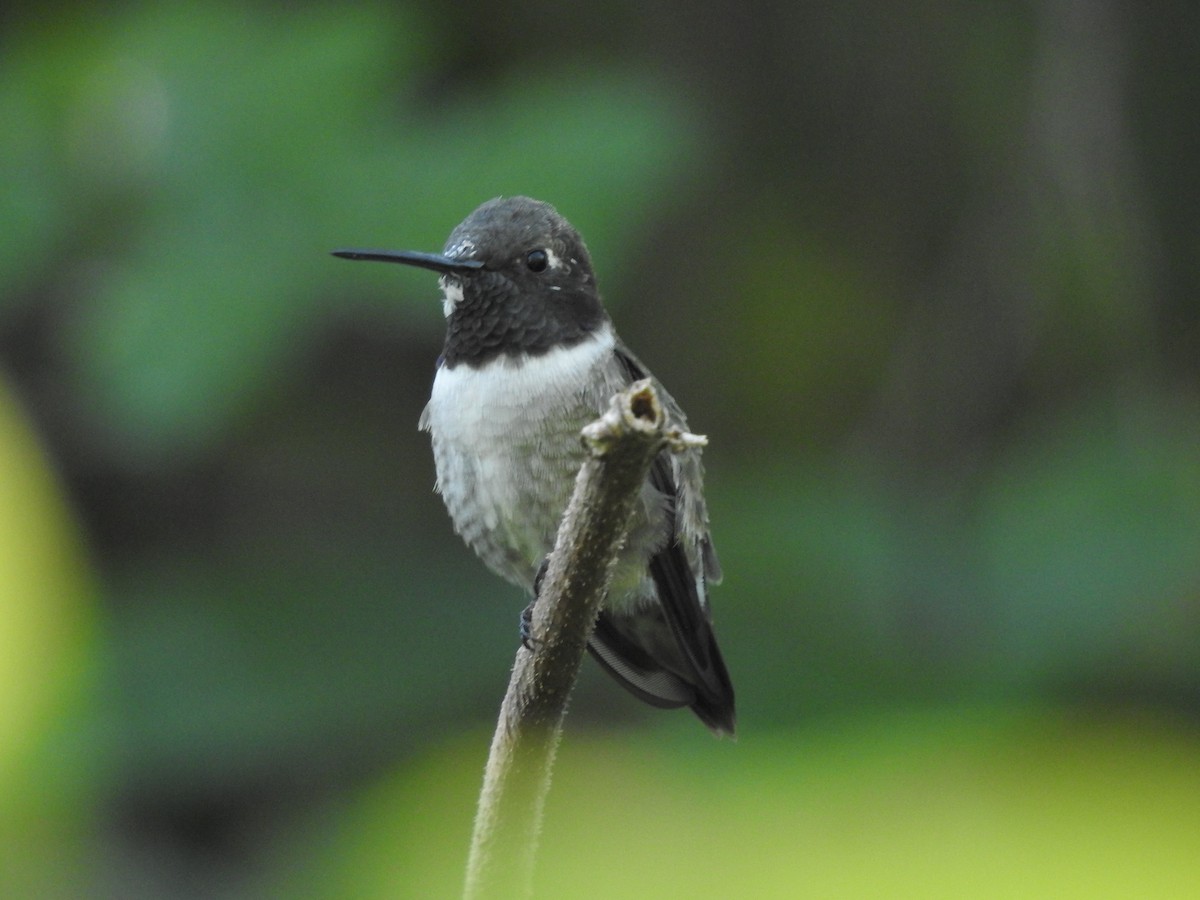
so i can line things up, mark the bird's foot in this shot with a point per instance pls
(528, 641)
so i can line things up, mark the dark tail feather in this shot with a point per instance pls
(716, 708)
(619, 648)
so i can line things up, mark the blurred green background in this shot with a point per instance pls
(927, 276)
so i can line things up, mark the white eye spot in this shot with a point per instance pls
(553, 260)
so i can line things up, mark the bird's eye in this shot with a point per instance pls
(537, 260)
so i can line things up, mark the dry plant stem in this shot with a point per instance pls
(622, 444)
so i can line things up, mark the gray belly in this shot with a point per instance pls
(506, 446)
(506, 489)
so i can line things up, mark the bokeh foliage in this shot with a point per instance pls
(986, 802)
(924, 277)
(52, 755)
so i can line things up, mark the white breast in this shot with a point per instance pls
(506, 446)
(467, 402)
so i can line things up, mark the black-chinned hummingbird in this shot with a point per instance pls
(531, 357)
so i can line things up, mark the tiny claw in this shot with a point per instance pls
(528, 641)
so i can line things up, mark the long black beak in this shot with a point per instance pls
(444, 264)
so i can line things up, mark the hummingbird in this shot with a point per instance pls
(531, 357)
